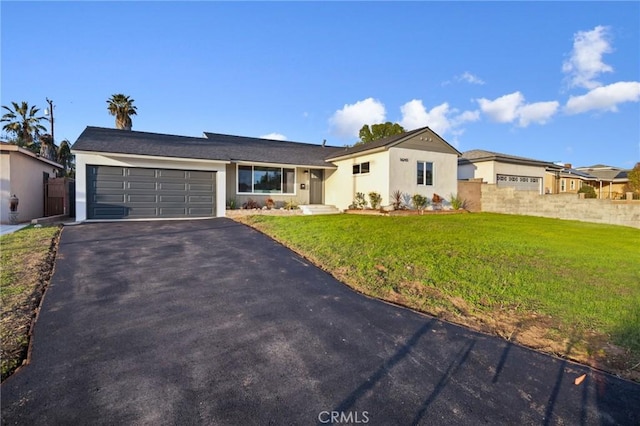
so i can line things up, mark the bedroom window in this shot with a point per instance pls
(361, 168)
(425, 173)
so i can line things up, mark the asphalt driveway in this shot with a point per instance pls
(210, 322)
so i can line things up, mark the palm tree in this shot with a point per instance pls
(24, 123)
(65, 157)
(122, 107)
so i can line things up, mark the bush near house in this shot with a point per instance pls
(375, 199)
(588, 191)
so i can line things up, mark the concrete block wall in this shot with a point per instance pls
(560, 206)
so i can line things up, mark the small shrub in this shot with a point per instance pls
(250, 205)
(420, 202)
(588, 191)
(396, 199)
(232, 204)
(269, 203)
(457, 202)
(291, 205)
(360, 202)
(375, 199)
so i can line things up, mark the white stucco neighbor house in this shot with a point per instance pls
(23, 174)
(503, 170)
(123, 174)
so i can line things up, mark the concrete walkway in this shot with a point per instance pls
(7, 229)
(210, 322)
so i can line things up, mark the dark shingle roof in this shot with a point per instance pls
(478, 155)
(273, 151)
(213, 147)
(385, 142)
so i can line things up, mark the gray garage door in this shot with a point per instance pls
(129, 193)
(522, 183)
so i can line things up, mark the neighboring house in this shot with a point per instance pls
(23, 174)
(609, 182)
(504, 170)
(130, 174)
(565, 180)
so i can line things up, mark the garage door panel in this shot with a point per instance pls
(142, 186)
(196, 211)
(199, 175)
(106, 185)
(109, 212)
(175, 174)
(141, 212)
(171, 186)
(108, 171)
(109, 198)
(151, 173)
(141, 198)
(175, 199)
(121, 192)
(521, 183)
(201, 187)
(200, 199)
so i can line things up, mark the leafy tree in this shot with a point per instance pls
(65, 157)
(122, 108)
(634, 178)
(24, 123)
(379, 131)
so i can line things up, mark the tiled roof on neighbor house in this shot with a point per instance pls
(569, 172)
(479, 155)
(213, 147)
(384, 143)
(606, 173)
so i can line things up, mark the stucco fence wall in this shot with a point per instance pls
(559, 206)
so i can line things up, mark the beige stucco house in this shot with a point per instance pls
(505, 170)
(23, 174)
(128, 174)
(415, 162)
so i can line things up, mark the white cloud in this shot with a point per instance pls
(348, 121)
(512, 107)
(585, 63)
(605, 98)
(274, 136)
(470, 78)
(539, 112)
(503, 109)
(440, 119)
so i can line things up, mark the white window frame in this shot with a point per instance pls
(357, 169)
(425, 169)
(282, 174)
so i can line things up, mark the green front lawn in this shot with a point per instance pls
(26, 261)
(567, 287)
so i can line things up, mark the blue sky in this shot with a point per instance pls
(555, 81)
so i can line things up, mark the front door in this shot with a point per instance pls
(315, 186)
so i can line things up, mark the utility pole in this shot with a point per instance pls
(49, 112)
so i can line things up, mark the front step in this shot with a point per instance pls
(319, 209)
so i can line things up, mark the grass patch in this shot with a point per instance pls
(26, 262)
(566, 287)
